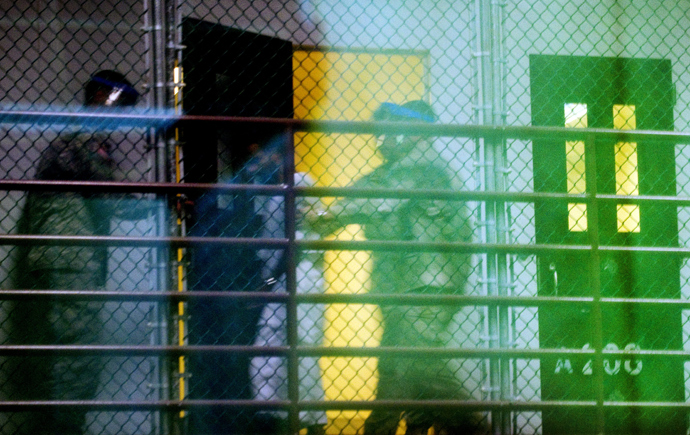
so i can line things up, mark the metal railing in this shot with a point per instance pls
(599, 404)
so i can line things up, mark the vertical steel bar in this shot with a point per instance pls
(501, 208)
(291, 281)
(148, 59)
(174, 154)
(490, 82)
(159, 422)
(485, 117)
(159, 101)
(503, 287)
(595, 280)
(479, 175)
(175, 61)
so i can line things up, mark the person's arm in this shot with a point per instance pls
(352, 210)
(130, 207)
(459, 229)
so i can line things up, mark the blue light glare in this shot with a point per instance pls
(88, 118)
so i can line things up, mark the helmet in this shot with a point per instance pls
(394, 147)
(111, 89)
(415, 110)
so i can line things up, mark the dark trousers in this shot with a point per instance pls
(418, 378)
(221, 375)
(55, 377)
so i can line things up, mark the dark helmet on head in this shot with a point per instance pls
(111, 89)
(412, 111)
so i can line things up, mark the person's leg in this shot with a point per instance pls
(390, 386)
(439, 382)
(28, 375)
(381, 422)
(220, 376)
(76, 378)
(392, 382)
(50, 321)
(269, 373)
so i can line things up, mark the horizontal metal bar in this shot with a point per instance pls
(441, 194)
(138, 405)
(335, 405)
(265, 295)
(278, 189)
(139, 187)
(25, 351)
(469, 300)
(311, 351)
(482, 405)
(320, 245)
(8, 406)
(261, 295)
(140, 242)
(283, 189)
(450, 130)
(679, 251)
(375, 245)
(487, 353)
(476, 248)
(644, 199)
(162, 119)
(271, 243)
(360, 50)
(681, 303)
(110, 118)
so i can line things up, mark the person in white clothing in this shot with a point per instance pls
(269, 373)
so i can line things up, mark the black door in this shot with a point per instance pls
(227, 72)
(608, 93)
(231, 72)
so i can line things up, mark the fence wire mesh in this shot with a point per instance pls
(491, 280)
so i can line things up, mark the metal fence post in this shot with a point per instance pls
(291, 282)
(490, 111)
(155, 35)
(597, 327)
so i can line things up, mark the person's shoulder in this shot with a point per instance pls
(375, 177)
(67, 140)
(424, 173)
(66, 156)
(79, 138)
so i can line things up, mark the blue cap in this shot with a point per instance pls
(394, 112)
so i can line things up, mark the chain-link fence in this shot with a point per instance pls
(344, 217)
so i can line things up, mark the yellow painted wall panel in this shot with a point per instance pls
(348, 86)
